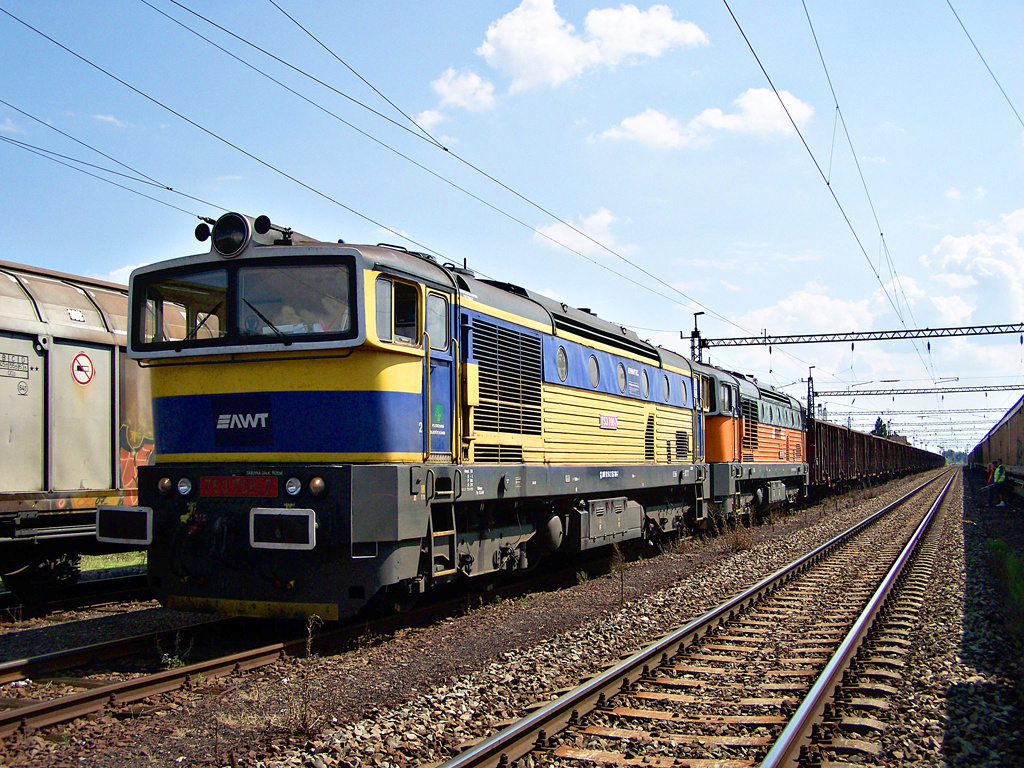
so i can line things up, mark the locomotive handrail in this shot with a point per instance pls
(426, 397)
(456, 437)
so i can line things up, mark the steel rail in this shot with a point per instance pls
(786, 751)
(42, 714)
(45, 713)
(55, 661)
(522, 737)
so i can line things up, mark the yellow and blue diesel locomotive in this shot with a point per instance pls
(337, 424)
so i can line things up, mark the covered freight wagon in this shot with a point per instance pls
(74, 421)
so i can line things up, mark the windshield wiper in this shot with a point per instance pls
(263, 317)
(202, 323)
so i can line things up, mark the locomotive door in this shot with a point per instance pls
(440, 380)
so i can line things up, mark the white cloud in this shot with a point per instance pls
(759, 113)
(810, 310)
(7, 126)
(986, 269)
(121, 275)
(955, 281)
(430, 118)
(980, 193)
(650, 128)
(535, 46)
(109, 119)
(467, 90)
(597, 227)
(953, 194)
(953, 310)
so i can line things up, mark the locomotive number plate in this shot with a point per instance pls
(239, 487)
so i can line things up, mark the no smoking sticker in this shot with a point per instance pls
(82, 369)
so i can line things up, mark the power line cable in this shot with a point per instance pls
(427, 137)
(50, 156)
(814, 160)
(993, 74)
(212, 134)
(377, 141)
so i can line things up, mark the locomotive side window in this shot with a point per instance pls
(187, 307)
(407, 301)
(562, 363)
(708, 389)
(595, 372)
(290, 300)
(645, 383)
(666, 390)
(622, 378)
(397, 311)
(383, 309)
(437, 321)
(726, 399)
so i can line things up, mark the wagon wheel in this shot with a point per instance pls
(51, 578)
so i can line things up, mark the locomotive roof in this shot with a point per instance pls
(748, 387)
(515, 300)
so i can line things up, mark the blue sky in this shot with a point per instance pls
(649, 128)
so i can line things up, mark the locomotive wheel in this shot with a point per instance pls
(44, 580)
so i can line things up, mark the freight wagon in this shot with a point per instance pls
(74, 422)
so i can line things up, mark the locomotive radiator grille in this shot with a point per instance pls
(750, 422)
(510, 380)
(498, 454)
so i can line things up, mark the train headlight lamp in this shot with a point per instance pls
(184, 486)
(231, 234)
(293, 486)
(317, 486)
(164, 485)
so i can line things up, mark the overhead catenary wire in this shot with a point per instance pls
(814, 160)
(211, 133)
(372, 138)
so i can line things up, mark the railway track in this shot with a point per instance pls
(754, 680)
(96, 692)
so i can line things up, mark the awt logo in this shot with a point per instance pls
(242, 420)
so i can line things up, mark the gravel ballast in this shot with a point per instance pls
(411, 698)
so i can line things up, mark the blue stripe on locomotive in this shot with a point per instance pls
(290, 422)
(578, 355)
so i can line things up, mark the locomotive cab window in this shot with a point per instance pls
(397, 311)
(726, 399)
(290, 300)
(437, 321)
(184, 308)
(272, 301)
(708, 391)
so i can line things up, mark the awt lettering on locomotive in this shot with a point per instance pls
(242, 420)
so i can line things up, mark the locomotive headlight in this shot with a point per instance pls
(317, 486)
(231, 233)
(184, 486)
(164, 485)
(293, 486)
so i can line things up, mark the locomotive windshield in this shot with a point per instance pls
(244, 304)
